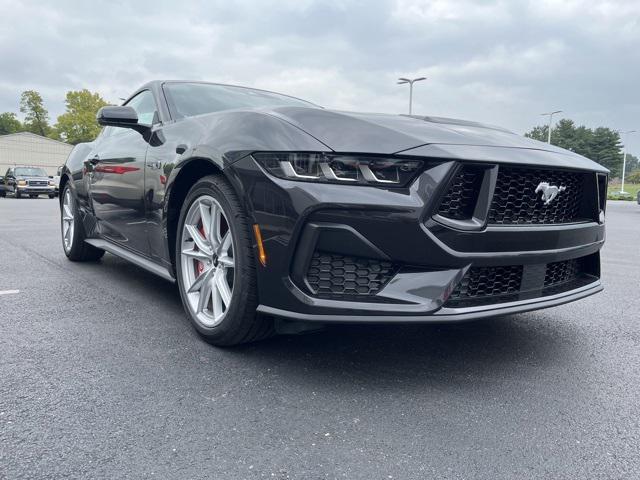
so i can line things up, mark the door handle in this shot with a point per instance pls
(154, 165)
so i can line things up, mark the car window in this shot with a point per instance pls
(189, 99)
(30, 172)
(9, 173)
(145, 107)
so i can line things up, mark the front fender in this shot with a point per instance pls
(200, 155)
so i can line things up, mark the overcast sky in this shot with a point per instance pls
(501, 62)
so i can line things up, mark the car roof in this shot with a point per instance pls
(153, 84)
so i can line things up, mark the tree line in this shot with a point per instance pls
(77, 124)
(602, 145)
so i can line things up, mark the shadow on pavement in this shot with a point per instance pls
(494, 349)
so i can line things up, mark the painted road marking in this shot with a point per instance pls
(9, 292)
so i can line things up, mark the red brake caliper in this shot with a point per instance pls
(199, 264)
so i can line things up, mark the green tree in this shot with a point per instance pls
(9, 123)
(78, 124)
(540, 133)
(601, 145)
(36, 117)
(633, 163)
(633, 177)
(605, 149)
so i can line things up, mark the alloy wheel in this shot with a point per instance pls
(207, 260)
(68, 224)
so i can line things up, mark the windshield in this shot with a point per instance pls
(189, 99)
(30, 172)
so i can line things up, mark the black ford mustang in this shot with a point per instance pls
(264, 207)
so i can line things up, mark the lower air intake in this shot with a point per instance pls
(488, 282)
(562, 272)
(332, 275)
(489, 285)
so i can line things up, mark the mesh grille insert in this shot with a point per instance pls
(561, 272)
(488, 285)
(461, 197)
(488, 281)
(515, 200)
(331, 275)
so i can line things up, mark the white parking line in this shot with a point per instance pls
(9, 292)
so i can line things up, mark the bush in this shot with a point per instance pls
(619, 196)
(634, 177)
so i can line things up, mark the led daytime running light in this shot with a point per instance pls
(343, 169)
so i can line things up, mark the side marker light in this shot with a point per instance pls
(262, 256)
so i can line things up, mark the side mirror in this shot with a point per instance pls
(125, 117)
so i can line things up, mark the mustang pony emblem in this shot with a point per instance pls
(549, 192)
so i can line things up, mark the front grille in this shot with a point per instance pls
(488, 282)
(460, 199)
(516, 202)
(561, 272)
(331, 275)
(38, 183)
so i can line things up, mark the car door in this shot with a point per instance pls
(117, 170)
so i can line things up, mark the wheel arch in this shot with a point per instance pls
(64, 179)
(184, 175)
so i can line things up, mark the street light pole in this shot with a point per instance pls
(551, 114)
(402, 81)
(624, 157)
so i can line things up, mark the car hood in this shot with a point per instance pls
(22, 177)
(415, 135)
(385, 133)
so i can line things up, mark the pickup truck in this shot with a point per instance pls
(31, 181)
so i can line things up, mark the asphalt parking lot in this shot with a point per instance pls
(101, 376)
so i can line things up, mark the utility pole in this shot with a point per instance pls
(551, 114)
(402, 81)
(623, 135)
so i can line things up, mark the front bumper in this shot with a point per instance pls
(397, 227)
(28, 190)
(447, 315)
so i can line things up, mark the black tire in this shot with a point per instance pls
(241, 323)
(80, 251)
(52, 196)
(17, 193)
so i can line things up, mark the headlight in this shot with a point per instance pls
(22, 183)
(345, 169)
(52, 183)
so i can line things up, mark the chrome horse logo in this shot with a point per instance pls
(549, 192)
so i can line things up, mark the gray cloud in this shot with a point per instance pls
(501, 62)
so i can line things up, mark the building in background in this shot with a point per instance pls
(26, 148)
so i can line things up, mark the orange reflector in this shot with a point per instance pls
(262, 256)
